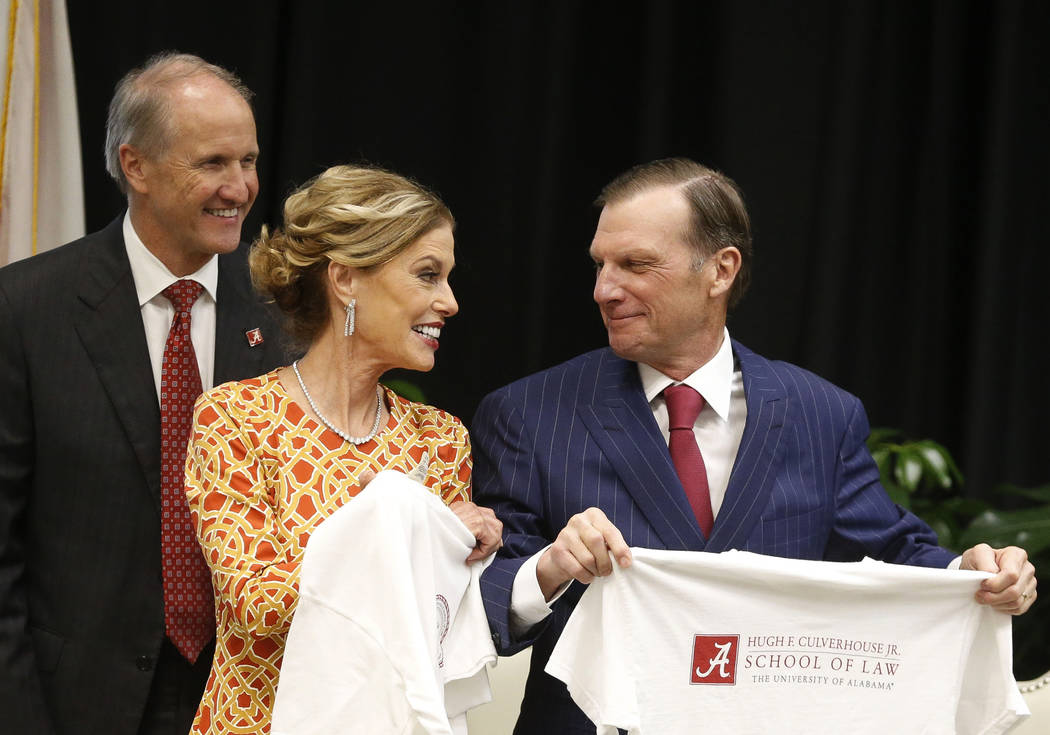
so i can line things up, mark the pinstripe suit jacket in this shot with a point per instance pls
(582, 434)
(81, 606)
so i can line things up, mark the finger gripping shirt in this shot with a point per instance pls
(686, 642)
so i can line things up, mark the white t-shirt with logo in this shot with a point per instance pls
(390, 633)
(687, 642)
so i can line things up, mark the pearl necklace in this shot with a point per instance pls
(352, 439)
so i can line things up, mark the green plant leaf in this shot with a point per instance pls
(941, 519)
(882, 435)
(406, 389)
(908, 470)
(1028, 528)
(966, 508)
(939, 463)
(1039, 494)
(897, 494)
(945, 533)
(953, 467)
(884, 461)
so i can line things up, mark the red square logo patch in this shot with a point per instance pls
(714, 659)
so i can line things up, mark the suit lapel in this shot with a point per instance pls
(621, 422)
(235, 358)
(760, 453)
(109, 323)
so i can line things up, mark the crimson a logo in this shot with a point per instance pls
(714, 659)
(254, 337)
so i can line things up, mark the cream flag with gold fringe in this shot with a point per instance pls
(41, 184)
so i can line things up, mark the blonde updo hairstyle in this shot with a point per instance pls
(359, 216)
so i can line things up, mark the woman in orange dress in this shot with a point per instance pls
(360, 270)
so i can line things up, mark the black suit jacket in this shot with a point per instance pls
(81, 606)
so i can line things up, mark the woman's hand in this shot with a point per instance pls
(483, 523)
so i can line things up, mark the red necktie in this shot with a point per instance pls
(189, 609)
(683, 406)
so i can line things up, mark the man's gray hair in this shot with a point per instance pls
(140, 111)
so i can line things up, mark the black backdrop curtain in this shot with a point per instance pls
(894, 157)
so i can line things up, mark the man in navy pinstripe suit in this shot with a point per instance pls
(574, 460)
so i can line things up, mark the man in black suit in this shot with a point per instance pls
(85, 645)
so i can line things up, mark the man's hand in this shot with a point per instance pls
(483, 523)
(1012, 589)
(581, 552)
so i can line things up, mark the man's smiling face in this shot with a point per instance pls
(193, 196)
(652, 296)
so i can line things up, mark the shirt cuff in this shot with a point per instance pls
(953, 564)
(527, 606)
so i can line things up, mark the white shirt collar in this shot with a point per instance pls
(713, 380)
(152, 276)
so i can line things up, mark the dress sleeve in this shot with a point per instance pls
(456, 457)
(254, 568)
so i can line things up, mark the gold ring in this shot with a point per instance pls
(1024, 596)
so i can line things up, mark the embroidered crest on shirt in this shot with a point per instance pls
(442, 627)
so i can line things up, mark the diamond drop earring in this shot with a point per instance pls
(348, 328)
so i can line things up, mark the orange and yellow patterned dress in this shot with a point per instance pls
(260, 476)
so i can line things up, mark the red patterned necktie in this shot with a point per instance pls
(189, 609)
(683, 406)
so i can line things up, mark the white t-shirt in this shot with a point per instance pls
(390, 634)
(687, 642)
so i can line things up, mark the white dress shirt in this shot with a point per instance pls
(151, 277)
(718, 430)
